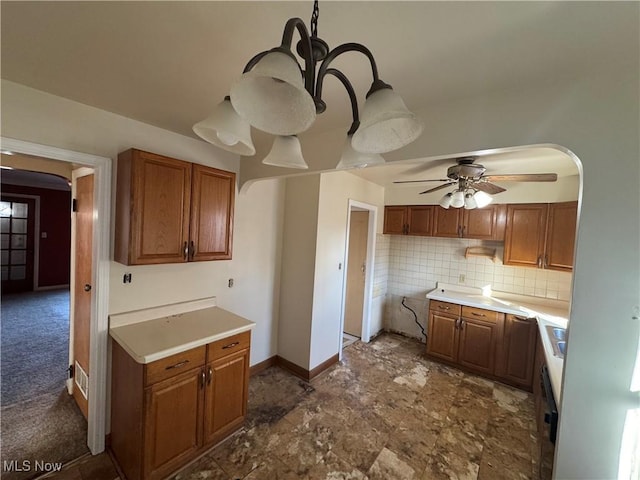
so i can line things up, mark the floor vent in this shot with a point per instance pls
(82, 380)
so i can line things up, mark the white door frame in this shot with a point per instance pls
(365, 335)
(99, 329)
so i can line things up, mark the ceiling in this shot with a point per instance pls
(169, 63)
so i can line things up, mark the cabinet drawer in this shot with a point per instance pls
(175, 364)
(482, 314)
(444, 307)
(228, 345)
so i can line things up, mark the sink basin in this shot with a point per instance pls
(562, 346)
(559, 333)
(558, 337)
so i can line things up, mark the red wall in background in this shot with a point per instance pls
(55, 219)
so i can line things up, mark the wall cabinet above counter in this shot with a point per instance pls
(171, 211)
(487, 223)
(536, 235)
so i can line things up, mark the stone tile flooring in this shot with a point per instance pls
(384, 412)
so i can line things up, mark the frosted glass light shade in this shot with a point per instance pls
(224, 128)
(445, 201)
(286, 152)
(385, 124)
(469, 201)
(482, 199)
(352, 159)
(457, 199)
(272, 97)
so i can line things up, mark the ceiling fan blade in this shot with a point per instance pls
(420, 181)
(489, 188)
(439, 187)
(523, 177)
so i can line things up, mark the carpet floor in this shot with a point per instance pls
(39, 420)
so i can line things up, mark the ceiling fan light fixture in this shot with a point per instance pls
(482, 199)
(286, 152)
(445, 201)
(469, 202)
(272, 97)
(386, 123)
(352, 159)
(224, 128)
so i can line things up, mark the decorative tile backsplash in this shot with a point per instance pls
(411, 266)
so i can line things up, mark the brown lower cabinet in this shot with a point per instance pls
(165, 413)
(481, 341)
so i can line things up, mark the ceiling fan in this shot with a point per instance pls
(469, 175)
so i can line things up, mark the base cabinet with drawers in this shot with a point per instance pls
(492, 344)
(167, 412)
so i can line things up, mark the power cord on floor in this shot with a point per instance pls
(415, 317)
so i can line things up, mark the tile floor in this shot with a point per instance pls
(384, 412)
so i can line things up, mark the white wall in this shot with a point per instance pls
(298, 265)
(336, 189)
(39, 117)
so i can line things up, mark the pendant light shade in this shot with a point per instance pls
(272, 97)
(482, 199)
(224, 128)
(469, 201)
(445, 201)
(386, 124)
(457, 199)
(286, 152)
(352, 159)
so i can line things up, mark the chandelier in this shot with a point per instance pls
(277, 95)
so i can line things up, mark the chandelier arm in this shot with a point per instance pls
(307, 52)
(252, 63)
(352, 96)
(344, 48)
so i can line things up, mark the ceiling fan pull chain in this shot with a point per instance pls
(314, 19)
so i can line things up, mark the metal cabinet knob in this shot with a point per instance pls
(87, 287)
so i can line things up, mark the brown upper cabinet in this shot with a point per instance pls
(485, 223)
(409, 220)
(541, 235)
(171, 211)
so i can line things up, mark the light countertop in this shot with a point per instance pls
(547, 312)
(174, 329)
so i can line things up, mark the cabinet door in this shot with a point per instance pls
(395, 220)
(477, 347)
(212, 202)
(518, 350)
(420, 220)
(561, 236)
(485, 223)
(442, 340)
(447, 222)
(525, 234)
(226, 395)
(173, 423)
(159, 210)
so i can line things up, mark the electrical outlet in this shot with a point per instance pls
(126, 278)
(461, 278)
(230, 282)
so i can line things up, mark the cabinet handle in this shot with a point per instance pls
(209, 376)
(231, 345)
(457, 324)
(475, 314)
(461, 324)
(444, 308)
(185, 250)
(539, 261)
(192, 250)
(177, 365)
(546, 261)
(202, 379)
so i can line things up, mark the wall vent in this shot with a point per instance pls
(82, 380)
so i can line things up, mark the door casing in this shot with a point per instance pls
(99, 329)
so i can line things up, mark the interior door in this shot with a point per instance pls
(83, 247)
(356, 271)
(17, 226)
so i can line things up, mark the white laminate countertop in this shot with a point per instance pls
(150, 339)
(547, 312)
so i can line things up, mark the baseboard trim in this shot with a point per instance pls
(259, 367)
(304, 374)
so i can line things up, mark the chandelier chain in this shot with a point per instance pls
(314, 19)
